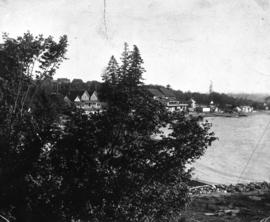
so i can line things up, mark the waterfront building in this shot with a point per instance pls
(174, 106)
(246, 109)
(167, 97)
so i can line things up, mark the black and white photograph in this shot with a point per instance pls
(135, 111)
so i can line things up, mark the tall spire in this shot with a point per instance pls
(211, 87)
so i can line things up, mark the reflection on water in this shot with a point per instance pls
(243, 149)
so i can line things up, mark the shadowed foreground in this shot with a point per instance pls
(250, 206)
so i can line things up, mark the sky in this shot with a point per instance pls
(184, 43)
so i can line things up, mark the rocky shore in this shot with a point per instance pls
(236, 188)
(234, 203)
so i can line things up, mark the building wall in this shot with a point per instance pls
(94, 97)
(77, 99)
(85, 96)
(206, 109)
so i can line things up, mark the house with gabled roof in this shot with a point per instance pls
(77, 99)
(93, 103)
(167, 97)
(156, 93)
(94, 96)
(83, 100)
(72, 95)
(168, 93)
(67, 100)
(85, 96)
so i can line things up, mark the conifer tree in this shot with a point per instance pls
(125, 59)
(113, 162)
(111, 74)
(136, 69)
(110, 166)
(131, 69)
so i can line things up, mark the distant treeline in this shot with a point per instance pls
(64, 86)
(222, 100)
(259, 97)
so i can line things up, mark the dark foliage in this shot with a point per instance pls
(116, 165)
(28, 113)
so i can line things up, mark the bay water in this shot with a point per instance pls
(240, 155)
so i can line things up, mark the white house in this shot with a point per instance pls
(167, 97)
(85, 96)
(77, 99)
(175, 105)
(89, 104)
(246, 109)
(206, 109)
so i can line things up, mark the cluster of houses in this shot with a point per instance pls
(167, 97)
(91, 103)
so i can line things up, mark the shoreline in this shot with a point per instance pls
(229, 115)
(206, 189)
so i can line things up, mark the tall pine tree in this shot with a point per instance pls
(135, 69)
(113, 163)
(125, 59)
(111, 74)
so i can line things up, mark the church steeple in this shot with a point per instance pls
(211, 87)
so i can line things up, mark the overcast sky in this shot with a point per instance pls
(184, 43)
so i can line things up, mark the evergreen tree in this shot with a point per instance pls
(125, 59)
(111, 73)
(113, 165)
(135, 69)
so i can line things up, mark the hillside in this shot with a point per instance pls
(257, 97)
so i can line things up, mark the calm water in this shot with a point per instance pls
(242, 153)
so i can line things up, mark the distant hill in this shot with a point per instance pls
(220, 99)
(257, 97)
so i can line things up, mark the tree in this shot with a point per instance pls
(111, 73)
(24, 58)
(125, 59)
(118, 165)
(168, 86)
(135, 71)
(131, 68)
(77, 84)
(93, 85)
(26, 124)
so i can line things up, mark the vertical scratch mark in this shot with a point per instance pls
(104, 19)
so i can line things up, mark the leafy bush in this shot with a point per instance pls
(116, 165)
(113, 166)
